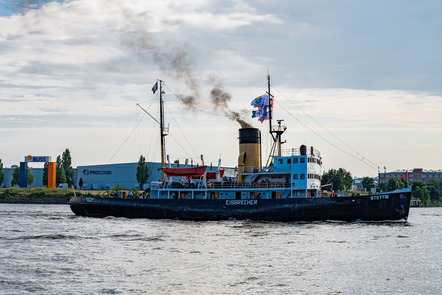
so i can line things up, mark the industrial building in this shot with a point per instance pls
(109, 175)
(38, 177)
(104, 176)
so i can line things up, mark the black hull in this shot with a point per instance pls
(391, 206)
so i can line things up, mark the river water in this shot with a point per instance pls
(46, 249)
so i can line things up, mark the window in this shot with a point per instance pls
(289, 161)
(302, 176)
(312, 160)
(279, 161)
(302, 160)
(295, 176)
(314, 176)
(295, 160)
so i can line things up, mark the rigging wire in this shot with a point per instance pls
(130, 134)
(127, 138)
(361, 157)
(324, 139)
(185, 137)
(148, 151)
(325, 128)
(189, 106)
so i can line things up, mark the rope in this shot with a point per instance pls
(370, 164)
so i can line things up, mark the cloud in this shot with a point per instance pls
(85, 63)
(353, 109)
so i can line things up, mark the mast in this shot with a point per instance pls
(275, 133)
(270, 107)
(163, 133)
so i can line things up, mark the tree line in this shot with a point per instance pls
(429, 193)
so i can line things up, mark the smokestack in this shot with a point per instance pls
(249, 151)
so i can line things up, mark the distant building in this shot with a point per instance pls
(38, 177)
(357, 185)
(415, 174)
(125, 175)
(109, 175)
(104, 176)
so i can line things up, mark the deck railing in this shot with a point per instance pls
(227, 185)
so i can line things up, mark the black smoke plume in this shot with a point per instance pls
(179, 60)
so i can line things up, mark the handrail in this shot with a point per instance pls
(228, 185)
(297, 152)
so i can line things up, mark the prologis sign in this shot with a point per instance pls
(96, 172)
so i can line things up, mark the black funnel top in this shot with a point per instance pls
(249, 135)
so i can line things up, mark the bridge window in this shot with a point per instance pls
(314, 176)
(295, 176)
(302, 176)
(302, 160)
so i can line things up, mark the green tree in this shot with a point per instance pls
(60, 173)
(67, 167)
(434, 188)
(367, 183)
(394, 183)
(2, 174)
(383, 186)
(420, 191)
(45, 174)
(15, 176)
(405, 182)
(340, 179)
(30, 176)
(142, 172)
(347, 179)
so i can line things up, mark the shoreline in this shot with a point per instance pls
(52, 201)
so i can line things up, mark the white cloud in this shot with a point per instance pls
(83, 64)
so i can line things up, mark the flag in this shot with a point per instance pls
(405, 176)
(263, 103)
(155, 88)
(262, 100)
(262, 113)
(265, 114)
(258, 113)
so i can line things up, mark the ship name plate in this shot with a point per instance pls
(242, 202)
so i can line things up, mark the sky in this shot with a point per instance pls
(358, 80)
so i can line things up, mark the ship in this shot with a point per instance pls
(287, 188)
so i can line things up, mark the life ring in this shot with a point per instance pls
(255, 184)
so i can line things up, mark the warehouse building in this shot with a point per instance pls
(109, 175)
(105, 176)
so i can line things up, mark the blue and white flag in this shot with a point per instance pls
(263, 103)
(262, 100)
(155, 87)
(258, 113)
(262, 113)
